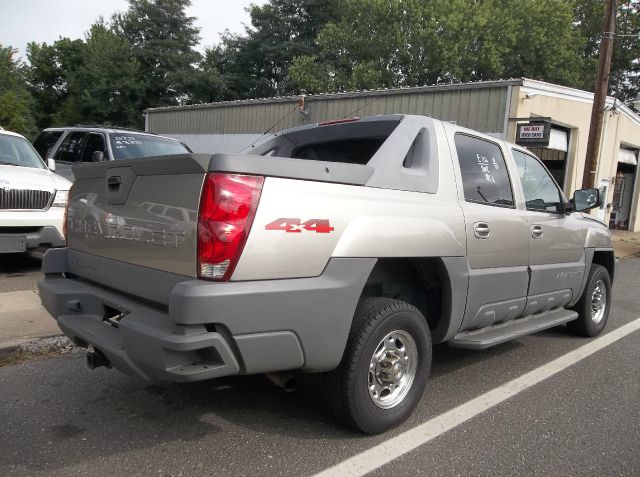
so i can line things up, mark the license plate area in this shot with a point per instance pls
(12, 244)
(112, 314)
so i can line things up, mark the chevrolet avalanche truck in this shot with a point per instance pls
(32, 198)
(346, 248)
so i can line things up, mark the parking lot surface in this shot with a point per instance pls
(59, 418)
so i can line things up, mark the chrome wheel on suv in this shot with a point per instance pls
(392, 369)
(598, 302)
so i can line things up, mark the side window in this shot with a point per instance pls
(540, 191)
(484, 172)
(45, 141)
(69, 150)
(94, 142)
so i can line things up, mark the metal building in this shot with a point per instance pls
(499, 108)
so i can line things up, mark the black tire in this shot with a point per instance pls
(347, 387)
(585, 325)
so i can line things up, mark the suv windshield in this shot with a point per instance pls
(126, 145)
(17, 151)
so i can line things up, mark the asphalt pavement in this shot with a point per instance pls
(59, 418)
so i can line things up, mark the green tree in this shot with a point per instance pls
(384, 43)
(105, 88)
(163, 38)
(48, 76)
(15, 100)
(257, 62)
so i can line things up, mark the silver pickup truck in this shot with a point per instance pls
(346, 248)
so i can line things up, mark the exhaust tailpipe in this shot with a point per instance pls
(96, 359)
(286, 381)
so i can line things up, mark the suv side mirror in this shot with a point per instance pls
(51, 164)
(97, 156)
(585, 199)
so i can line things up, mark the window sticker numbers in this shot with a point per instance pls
(124, 141)
(487, 167)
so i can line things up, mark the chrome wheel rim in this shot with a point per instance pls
(392, 369)
(598, 302)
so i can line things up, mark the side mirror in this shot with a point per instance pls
(585, 199)
(97, 156)
(51, 164)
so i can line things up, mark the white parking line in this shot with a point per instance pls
(395, 447)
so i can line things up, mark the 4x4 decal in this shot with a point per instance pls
(292, 225)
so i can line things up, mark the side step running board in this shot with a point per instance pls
(496, 334)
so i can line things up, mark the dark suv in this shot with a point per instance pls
(72, 145)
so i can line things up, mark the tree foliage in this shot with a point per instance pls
(106, 86)
(15, 100)
(385, 43)
(257, 63)
(163, 38)
(48, 76)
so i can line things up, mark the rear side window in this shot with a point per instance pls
(71, 147)
(127, 145)
(45, 142)
(484, 172)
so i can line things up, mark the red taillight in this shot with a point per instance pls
(227, 208)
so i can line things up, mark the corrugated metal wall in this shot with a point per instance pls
(479, 106)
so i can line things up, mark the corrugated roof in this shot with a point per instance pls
(347, 94)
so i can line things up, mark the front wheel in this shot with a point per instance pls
(593, 306)
(385, 366)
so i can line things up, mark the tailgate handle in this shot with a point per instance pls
(114, 181)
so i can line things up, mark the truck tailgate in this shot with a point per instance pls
(140, 211)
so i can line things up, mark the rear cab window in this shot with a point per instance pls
(345, 141)
(485, 178)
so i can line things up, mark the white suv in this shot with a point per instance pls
(32, 198)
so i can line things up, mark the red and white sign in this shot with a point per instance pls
(532, 131)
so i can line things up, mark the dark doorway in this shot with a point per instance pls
(622, 196)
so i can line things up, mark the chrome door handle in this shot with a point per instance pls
(481, 230)
(536, 231)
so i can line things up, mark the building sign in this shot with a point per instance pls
(533, 134)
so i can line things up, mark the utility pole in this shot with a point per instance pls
(602, 85)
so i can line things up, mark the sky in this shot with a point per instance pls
(23, 21)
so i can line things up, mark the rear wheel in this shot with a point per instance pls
(385, 366)
(593, 306)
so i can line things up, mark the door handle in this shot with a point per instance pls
(481, 230)
(536, 231)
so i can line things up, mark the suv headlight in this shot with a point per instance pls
(60, 200)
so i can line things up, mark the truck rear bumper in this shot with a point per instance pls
(208, 330)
